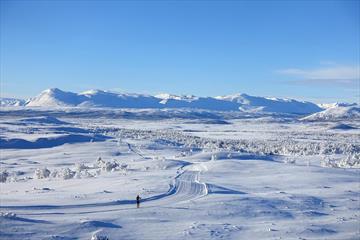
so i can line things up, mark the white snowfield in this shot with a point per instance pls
(74, 173)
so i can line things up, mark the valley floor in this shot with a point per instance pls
(194, 180)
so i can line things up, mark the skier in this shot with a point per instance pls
(138, 201)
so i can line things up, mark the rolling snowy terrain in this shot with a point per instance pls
(73, 164)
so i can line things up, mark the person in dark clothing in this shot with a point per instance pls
(138, 198)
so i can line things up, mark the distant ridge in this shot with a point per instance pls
(55, 97)
(6, 102)
(335, 114)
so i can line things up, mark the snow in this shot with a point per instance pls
(53, 98)
(166, 96)
(42, 173)
(106, 99)
(5, 102)
(253, 104)
(200, 174)
(335, 114)
(336, 104)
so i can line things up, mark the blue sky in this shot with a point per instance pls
(301, 49)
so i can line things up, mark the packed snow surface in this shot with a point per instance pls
(74, 173)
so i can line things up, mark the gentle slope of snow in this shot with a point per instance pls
(74, 173)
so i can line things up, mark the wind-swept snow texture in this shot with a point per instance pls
(74, 173)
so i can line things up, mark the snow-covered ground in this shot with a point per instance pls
(75, 173)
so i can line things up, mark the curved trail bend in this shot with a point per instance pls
(185, 186)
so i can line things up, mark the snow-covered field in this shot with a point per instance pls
(74, 174)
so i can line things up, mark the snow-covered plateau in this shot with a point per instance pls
(71, 172)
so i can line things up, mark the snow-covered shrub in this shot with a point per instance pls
(42, 173)
(83, 174)
(110, 166)
(54, 173)
(99, 163)
(327, 162)
(99, 235)
(107, 166)
(65, 173)
(282, 146)
(350, 161)
(80, 166)
(3, 176)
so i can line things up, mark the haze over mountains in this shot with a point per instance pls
(98, 98)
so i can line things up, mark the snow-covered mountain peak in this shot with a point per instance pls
(168, 96)
(55, 97)
(336, 104)
(92, 92)
(11, 102)
(52, 91)
(336, 113)
(266, 104)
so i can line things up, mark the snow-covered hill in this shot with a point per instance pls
(240, 102)
(278, 105)
(55, 97)
(7, 102)
(335, 113)
(337, 104)
(98, 98)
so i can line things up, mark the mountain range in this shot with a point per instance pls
(55, 97)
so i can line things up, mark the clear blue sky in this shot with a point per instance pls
(301, 49)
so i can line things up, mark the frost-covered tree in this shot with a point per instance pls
(42, 173)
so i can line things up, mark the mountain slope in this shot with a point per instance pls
(11, 102)
(55, 97)
(278, 105)
(209, 103)
(337, 104)
(335, 113)
(98, 98)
